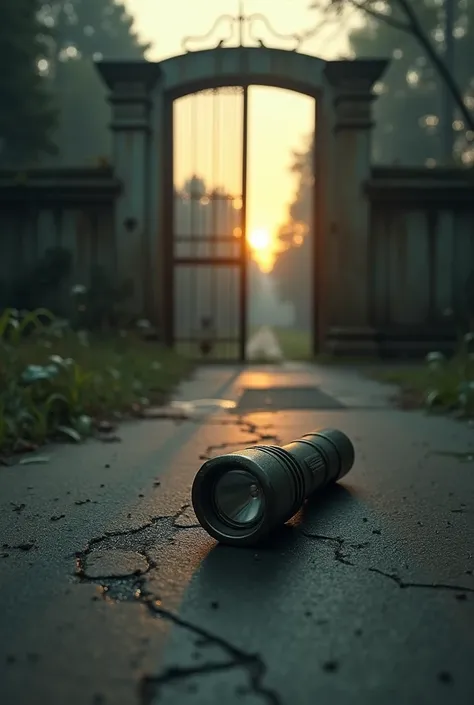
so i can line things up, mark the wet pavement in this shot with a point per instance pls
(110, 592)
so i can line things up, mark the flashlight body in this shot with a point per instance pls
(286, 476)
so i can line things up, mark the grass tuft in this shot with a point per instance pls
(57, 381)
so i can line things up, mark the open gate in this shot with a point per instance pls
(209, 253)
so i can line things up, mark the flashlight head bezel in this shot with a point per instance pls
(207, 511)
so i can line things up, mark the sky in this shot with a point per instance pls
(278, 120)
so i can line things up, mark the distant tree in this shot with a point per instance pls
(27, 115)
(407, 111)
(195, 187)
(291, 267)
(293, 284)
(86, 31)
(96, 29)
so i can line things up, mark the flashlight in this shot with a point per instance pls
(239, 498)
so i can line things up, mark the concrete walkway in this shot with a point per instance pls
(264, 345)
(110, 593)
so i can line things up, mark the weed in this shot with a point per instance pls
(58, 381)
(441, 383)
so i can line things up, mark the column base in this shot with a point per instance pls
(402, 342)
(352, 341)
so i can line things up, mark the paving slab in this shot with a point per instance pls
(111, 593)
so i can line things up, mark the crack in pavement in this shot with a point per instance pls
(149, 686)
(339, 555)
(95, 542)
(433, 586)
(342, 558)
(253, 664)
(176, 673)
(258, 436)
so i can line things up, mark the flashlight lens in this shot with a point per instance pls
(239, 498)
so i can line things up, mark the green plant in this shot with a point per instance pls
(100, 305)
(58, 381)
(441, 383)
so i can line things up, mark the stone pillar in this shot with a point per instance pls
(130, 84)
(348, 322)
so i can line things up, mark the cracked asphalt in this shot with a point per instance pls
(111, 593)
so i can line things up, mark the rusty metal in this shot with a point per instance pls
(242, 22)
(206, 281)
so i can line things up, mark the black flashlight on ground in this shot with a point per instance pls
(239, 498)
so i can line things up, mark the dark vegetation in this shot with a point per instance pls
(72, 358)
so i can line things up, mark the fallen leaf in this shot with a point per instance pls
(32, 459)
(70, 432)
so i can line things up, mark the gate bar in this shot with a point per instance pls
(243, 293)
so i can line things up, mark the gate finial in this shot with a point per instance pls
(241, 20)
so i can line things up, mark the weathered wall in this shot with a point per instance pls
(49, 208)
(422, 253)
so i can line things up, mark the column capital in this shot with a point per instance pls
(130, 84)
(351, 82)
(354, 75)
(136, 77)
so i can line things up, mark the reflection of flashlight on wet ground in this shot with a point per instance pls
(241, 497)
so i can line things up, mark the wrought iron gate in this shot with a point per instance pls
(209, 252)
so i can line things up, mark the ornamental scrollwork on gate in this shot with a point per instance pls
(240, 22)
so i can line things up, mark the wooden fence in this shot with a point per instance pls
(57, 208)
(421, 253)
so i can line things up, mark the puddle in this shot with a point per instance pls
(202, 407)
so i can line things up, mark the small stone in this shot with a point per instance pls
(26, 546)
(330, 666)
(445, 677)
(461, 597)
(106, 427)
(214, 605)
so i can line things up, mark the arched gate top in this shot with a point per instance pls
(226, 66)
(213, 68)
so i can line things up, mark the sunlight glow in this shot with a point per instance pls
(263, 248)
(259, 239)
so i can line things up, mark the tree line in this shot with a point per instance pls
(48, 83)
(408, 109)
(49, 86)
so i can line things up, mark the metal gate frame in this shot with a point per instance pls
(172, 261)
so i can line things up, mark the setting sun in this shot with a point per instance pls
(263, 248)
(259, 239)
